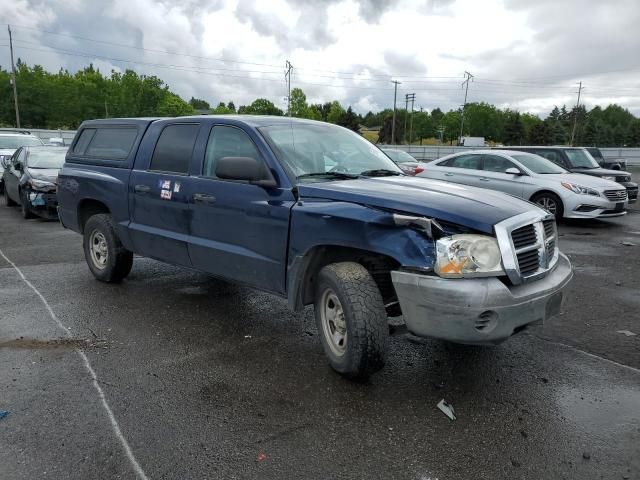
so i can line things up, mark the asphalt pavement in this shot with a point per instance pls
(175, 375)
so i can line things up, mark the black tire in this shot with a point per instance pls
(7, 201)
(549, 199)
(24, 207)
(364, 319)
(116, 260)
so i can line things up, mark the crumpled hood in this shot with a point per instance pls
(46, 174)
(475, 208)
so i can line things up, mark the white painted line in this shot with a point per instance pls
(114, 423)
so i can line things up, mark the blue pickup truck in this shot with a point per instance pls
(316, 214)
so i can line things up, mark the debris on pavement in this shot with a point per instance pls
(628, 244)
(627, 333)
(262, 457)
(447, 409)
(586, 455)
(247, 336)
(3, 413)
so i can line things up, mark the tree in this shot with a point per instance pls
(514, 133)
(384, 135)
(260, 106)
(540, 134)
(350, 120)
(173, 106)
(335, 112)
(199, 104)
(231, 106)
(298, 103)
(222, 109)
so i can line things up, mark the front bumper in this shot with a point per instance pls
(478, 311)
(632, 191)
(588, 206)
(44, 204)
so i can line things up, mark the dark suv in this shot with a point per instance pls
(610, 163)
(578, 160)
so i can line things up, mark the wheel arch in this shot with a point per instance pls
(87, 208)
(302, 274)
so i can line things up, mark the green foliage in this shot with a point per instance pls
(260, 106)
(64, 100)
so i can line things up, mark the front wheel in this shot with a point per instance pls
(108, 260)
(551, 203)
(351, 319)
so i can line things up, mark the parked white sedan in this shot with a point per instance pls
(534, 178)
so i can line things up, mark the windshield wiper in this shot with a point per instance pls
(335, 175)
(380, 172)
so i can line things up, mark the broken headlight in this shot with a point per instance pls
(37, 184)
(468, 255)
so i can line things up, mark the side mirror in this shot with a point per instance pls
(17, 166)
(245, 168)
(513, 171)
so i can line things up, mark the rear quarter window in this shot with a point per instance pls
(113, 143)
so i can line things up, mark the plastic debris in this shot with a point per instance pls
(247, 336)
(262, 457)
(628, 333)
(3, 413)
(447, 409)
(628, 244)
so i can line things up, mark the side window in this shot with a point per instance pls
(495, 163)
(227, 142)
(174, 148)
(550, 155)
(83, 141)
(20, 157)
(111, 143)
(471, 162)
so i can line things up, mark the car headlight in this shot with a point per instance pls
(609, 178)
(35, 183)
(580, 190)
(467, 255)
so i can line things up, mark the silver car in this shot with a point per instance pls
(529, 176)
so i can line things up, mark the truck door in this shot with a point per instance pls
(239, 231)
(159, 195)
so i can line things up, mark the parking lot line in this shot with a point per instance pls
(94, 377)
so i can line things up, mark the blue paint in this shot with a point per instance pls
(3, 413)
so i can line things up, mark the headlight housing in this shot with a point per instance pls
(35, 183)
(609, 178)
(467, 255)
(580, 190)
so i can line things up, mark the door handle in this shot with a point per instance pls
(484, 179)
(142, 188)
(203, 198)
(448, 174)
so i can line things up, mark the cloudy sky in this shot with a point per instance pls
(526, 55)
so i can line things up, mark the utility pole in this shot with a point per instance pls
(287, 76)
(440, 131)
(406, 114)
(575, 116)
(393, 124)
(106, 110)
(412, 97)
(465, 84)
(13, 79)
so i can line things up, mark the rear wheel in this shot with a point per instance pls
(550, 202)
(108, 260)
(7, 201)
(351, 319)
(24, 206)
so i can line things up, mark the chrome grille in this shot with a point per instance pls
(533, 247)
(616, 195)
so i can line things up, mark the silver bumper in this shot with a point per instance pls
(478, 310)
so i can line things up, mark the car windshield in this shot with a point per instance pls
(579, 158)
(17, 141)
(322, 151)
(538, 164)
(399, 156)
(46, 157)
